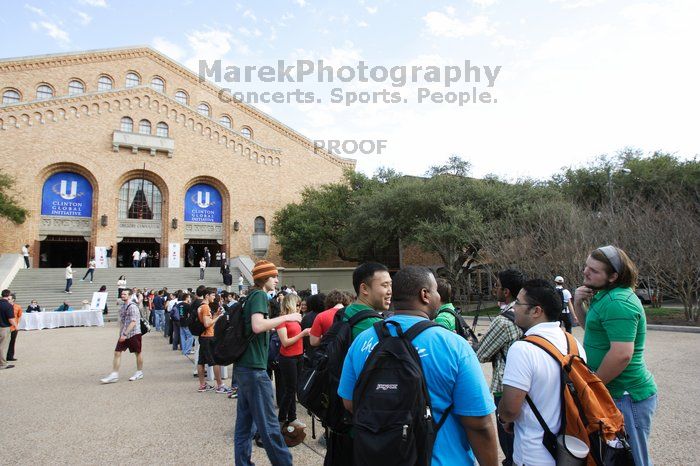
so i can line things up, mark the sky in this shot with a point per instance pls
(570, 79)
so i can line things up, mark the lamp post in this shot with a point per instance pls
(624, 171)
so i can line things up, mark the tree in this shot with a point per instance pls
(9, 207)
(455, 166)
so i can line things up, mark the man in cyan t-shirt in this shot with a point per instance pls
(255, 399)
(616, 329)
(452, 374)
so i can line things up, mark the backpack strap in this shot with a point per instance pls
(362, 315)
(417, 329)
(549, 440)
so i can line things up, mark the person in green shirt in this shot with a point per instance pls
(372, 284)
(444, 316)
(615, 331)
(255, 397)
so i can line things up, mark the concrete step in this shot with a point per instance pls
(47, 285)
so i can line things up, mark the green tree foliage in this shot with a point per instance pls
(9, 208)
(455, 165)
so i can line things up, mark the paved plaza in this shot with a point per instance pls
(56, 411)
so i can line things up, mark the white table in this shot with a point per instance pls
(40, 320)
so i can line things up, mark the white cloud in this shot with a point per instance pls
(362, 24)
(170, 49)
(484, 3)
(53, 31)
(571, 4)
(85, 18)
(250, 15)
(97, 3)
(287, 17)
(301, 3)
(442, 25)
(36, 10)
(371, 9)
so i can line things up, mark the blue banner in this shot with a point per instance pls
(67, 194)
(203, 204)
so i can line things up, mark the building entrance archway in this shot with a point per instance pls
(195, 250)
(56, 251)
(127, 246)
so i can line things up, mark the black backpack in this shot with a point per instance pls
(318, 383)
(392, 415)
(231, 336)
(560, 292)
(462, 328)
(194, 324)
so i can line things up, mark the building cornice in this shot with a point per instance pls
(106, 55)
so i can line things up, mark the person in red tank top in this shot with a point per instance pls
(291, 336)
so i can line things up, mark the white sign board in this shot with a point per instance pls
(101, 257)
(99, 300)
(174, 255)
(314, 288)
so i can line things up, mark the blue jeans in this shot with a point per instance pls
(159, 319)
(505, 440)
(256, 408)
(638, 416)
(69, 283)
(186, 340)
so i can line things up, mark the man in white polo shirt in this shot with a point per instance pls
(531, 371)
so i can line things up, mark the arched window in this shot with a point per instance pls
(158, 84)
(104, 83)
(145, 127)
(75, 87)
(259, 225)
(127, 125)
(162, 129)
(140, 199)
(203, 109)
(10, 96)
(247, 132)
(181, 97)
(44, 91)
(132, 79)
(225, 121)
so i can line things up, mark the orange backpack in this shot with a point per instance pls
(588, 412)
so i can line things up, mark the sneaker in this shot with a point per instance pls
(111, 378)
(90, 281)
(81, 279)
(9, 366)
(223, 389)
(297, 423)
(205, 388)
(137, 376)
(234, 393)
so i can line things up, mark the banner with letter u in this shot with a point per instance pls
(67, 194)
(203, 204)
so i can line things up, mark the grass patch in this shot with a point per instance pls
(664, 312)
(485, 311)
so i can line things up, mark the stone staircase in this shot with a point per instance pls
(47, 285)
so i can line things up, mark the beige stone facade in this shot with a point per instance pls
(82, 133)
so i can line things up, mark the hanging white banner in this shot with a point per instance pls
(174, 255)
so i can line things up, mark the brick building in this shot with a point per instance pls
(127, 148)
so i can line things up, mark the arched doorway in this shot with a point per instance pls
(204, 224)
(140, 215)
(66, 220)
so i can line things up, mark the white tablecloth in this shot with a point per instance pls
(39, 320)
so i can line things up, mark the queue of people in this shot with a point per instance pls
(523, 393)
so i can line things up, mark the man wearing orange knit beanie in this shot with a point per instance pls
(255, 405)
